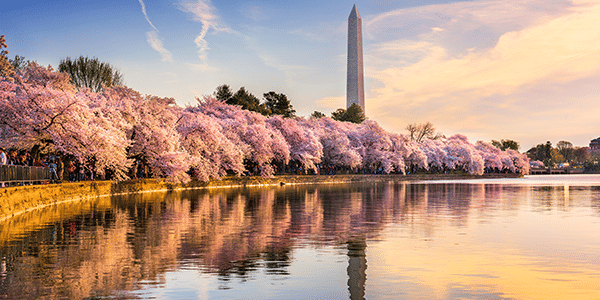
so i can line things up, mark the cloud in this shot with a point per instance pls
(202, 11)
(445, 76)
(272, 58)
(156, 44)
(331, 102)
(202, 67)
(153, 38)
(255, 13)
(146, 15)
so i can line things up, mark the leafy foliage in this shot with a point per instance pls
(353, 114)
(19, 63)
(90, 73)
(506, 144)
(6, 69)
(317, 115)
(279, 104)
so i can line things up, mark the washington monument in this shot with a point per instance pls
(355, 89)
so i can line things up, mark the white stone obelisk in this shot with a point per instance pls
(355, 89)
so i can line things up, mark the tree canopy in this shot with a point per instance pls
(274, 103)
(279, 104)
(6, 69)
(317, 115)
(223, 93)
(506, 144)
(353, 114)
(112, 131)
(90, 73)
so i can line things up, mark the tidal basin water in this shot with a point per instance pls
(536, 237)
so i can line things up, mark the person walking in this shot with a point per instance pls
(81, 173)
(3, 161)
(53, 175)
(60, 168)
(3, 157)
(71, 170)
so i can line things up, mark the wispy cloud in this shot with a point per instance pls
(202, 67)
(156, 44)
(204, 12)
(255, 13)
(437, 69)
(146, 15)
(153, 38)
(331, 102)
(277, 60)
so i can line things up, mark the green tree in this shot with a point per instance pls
(247, 101)
(556, 157)
(19, 63)
(353, 114)
(580, 155)
(6, 69)
(339, 115)
(317, 115)
(539, 152)
(566, 150)
(223, 93)
(546, 153)
(506, 144)
(279, 104)
(91, 73)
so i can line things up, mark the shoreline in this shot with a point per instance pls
(15, 201)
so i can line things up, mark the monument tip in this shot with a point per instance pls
(354, 13)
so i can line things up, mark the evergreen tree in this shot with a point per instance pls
(223, 93)
(506, 144)
(317, 115)
(353, 114)
(279, 104)
(247, 101)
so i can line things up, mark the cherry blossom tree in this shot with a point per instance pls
(43, 112)
(36, 115)
(520, 161)
(435, 153)
(249, 130)
(304, 145)
(380, 151)
(338, 149)
(211, 152)
(461, 153)
(491, 155)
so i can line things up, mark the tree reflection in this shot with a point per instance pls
(232, 233)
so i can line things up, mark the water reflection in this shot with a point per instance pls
(436, 240)
(357, 267)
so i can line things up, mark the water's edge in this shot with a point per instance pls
(18, 200)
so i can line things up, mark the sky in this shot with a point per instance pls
(522, 70)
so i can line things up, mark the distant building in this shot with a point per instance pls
(355, 91)
(595, 146)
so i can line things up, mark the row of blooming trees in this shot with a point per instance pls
(107, 131)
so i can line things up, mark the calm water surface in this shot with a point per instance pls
(531, 238)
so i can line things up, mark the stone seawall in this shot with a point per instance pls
(18, 200)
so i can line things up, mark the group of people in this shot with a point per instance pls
(55, 165)
(11, 157)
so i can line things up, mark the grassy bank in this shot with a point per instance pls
(15, 201)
